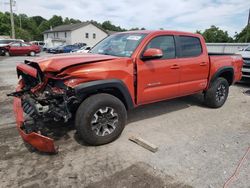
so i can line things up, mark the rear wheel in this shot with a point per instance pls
(7, 53)
(217, 94)
(100, 119)
(32, 53)
(2, 52)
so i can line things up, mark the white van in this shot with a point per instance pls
(4, 42)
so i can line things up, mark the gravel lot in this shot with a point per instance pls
(198, 146)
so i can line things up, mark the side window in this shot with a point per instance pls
(25, 44)
(166, 44)
(190, 46)
(16, 44)
(247, 49)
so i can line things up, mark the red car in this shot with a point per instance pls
(21, 48)
(123, 71)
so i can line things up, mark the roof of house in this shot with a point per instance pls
(71, 27)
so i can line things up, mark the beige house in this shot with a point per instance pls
(84, 32)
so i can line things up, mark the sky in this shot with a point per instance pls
(183, 15)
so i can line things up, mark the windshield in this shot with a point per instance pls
(6, 41)
(122, 45)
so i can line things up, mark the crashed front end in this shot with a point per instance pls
(39, 99)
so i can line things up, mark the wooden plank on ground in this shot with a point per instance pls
(144, 143)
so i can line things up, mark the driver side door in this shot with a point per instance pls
(158, 79)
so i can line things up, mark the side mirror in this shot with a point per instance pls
(152, 53)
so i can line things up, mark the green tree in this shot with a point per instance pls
(32, 28)
(37, 19)
(215, 34)
(55, 21)
(66, 20)
(198, 32)
(73, 21)
(4, 24)
(109, 26)
(23, 34)
(134, 29)
(244, 35)
(44, 26)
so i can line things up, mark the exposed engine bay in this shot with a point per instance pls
(43, 99)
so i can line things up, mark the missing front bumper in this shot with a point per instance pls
(38, 141)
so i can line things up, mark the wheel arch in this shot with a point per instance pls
(224, 72)
(113, 87)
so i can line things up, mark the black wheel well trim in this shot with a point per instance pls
(106, 86)
(223, 70)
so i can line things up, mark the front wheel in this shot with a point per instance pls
(100, 119)
(217, 93)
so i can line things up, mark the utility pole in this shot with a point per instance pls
(248, 26)
(20, 21)
(248, 23)
(12, 20)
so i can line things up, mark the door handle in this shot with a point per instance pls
(175, 66)
(203, 63)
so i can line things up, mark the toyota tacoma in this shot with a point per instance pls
(123, 71)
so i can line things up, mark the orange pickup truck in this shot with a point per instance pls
(123, 71)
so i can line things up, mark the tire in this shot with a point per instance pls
(32, 53)
(217, 93)
(2, 52)
(96, 112)
(7, 53)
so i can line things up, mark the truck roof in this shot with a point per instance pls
(162, 32)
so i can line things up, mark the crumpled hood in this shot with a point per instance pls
(57, 63)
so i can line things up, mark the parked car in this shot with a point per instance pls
(38, 43)
(123, 71)
(5, 42)
(53, 49)
(84, 49)
(80, 44)
(21, 48)
(246, 62)
(64, 49)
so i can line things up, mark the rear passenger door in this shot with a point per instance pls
(194, 64)
(26, 48)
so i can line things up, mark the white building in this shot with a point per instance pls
(84, 32)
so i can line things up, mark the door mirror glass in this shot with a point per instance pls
(152, 53)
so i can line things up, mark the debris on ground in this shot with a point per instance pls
(144, 143)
